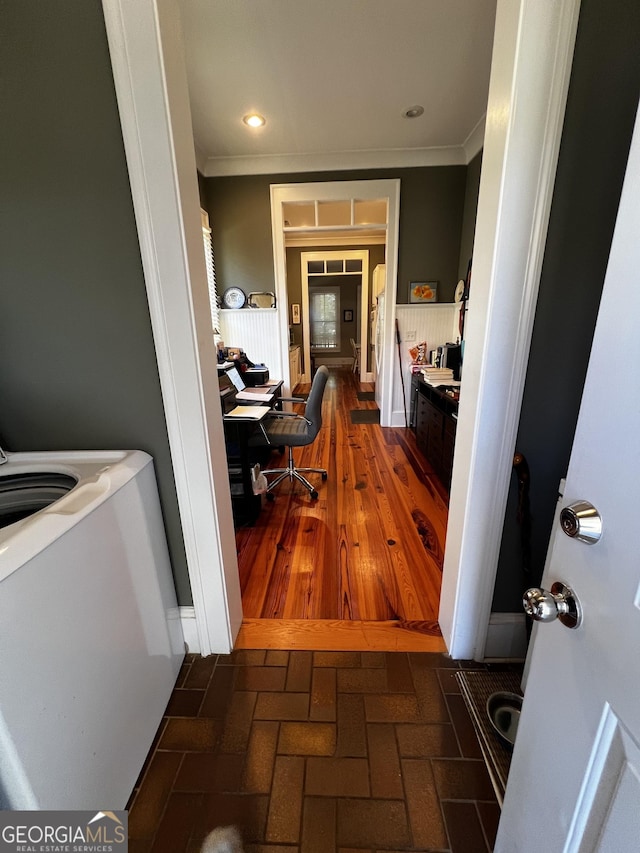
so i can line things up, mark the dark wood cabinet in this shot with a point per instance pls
(435, 425)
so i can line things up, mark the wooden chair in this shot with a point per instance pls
(356, 355)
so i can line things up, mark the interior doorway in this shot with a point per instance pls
(532, 56)
(334, 213)
(347, 272)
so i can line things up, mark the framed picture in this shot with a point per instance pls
(347, 316)
(423, 291)
(295, 313)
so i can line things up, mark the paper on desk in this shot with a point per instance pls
(254, 394)
(252, 412)
(450, 383)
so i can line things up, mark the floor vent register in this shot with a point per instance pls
(477, 688)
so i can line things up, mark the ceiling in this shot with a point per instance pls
(333, 78)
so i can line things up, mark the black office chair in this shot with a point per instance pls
(288, 429)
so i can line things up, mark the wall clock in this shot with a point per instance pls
(233, 297)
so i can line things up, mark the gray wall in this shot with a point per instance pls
(77, 361)
(431, 213)
(601, 107)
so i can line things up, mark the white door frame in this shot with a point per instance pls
(328, 254)
(529, 80)
(334, 191)
(151, 87)
(531, 67)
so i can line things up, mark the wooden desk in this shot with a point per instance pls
(246, 506)
(435, 419)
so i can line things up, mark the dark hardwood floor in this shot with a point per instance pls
(368, 552)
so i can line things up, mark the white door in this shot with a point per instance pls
(574, 783)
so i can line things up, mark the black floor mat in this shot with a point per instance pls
(365, 395)
(365, 416)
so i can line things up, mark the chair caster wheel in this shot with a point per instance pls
(324, 476)
(271, 496)
(314, 495)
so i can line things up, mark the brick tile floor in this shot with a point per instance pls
(316, 752)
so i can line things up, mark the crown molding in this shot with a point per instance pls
(474, 143)
(215, 167)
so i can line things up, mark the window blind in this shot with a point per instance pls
(211, 272)
(324, 313)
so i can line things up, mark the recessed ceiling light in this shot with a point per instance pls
(413, 112)
(254, 120)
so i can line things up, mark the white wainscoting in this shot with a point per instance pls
(257, 331)
(437, 324)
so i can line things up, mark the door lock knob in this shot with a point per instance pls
(560, 603)
(581, 520)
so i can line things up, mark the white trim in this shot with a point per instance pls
(150, 81)
(276, 164)
(474, 143)
(190, 630)
(506, 637)
(533, 50)
(305, 257)
(334, 362)
(338, 240)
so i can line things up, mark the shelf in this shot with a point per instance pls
(246, 310)
(298, 229)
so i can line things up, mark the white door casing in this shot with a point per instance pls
(151, 88)
(530, 71)
(326, 254)
(574, 783)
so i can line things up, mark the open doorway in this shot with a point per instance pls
(346, 215)
(368, 553)
(333, 285)
(534, 46)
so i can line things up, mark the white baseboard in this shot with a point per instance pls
(507, 636)
(397, 418)
(189, 629)
(334, 362)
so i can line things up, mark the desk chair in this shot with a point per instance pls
(292, 430)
